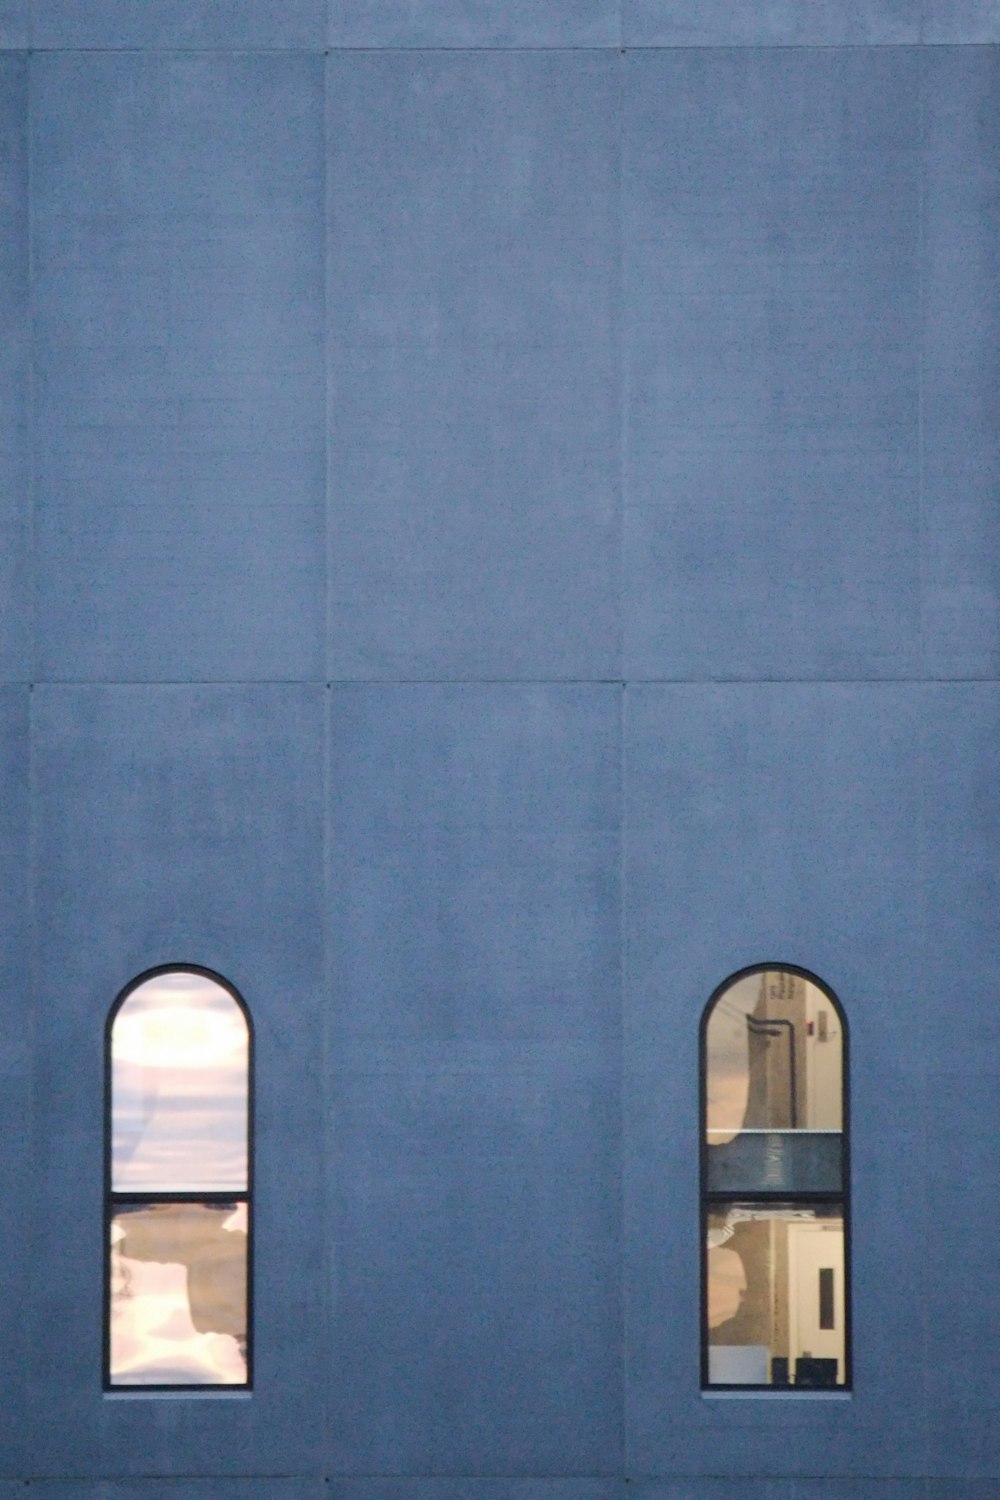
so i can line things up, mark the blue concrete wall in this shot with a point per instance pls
(178, 303)
(15, 361)
(498, 530)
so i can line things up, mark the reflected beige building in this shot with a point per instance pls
(776, 1298)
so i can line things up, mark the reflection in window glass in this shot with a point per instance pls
(775, 1277)
(774, 1183)
(178, 1173)
(774, 1057)
(179, 1050)
(179, 1294)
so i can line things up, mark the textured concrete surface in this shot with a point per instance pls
(178, 365)
(179, 825)
(961, 270)
(769, 23)
(16, 1176)
(782, 821)
(474, 926)
(618, 434)
(15, 357)
(475, 463)
(178, 23)
(475, 23)
(14, 23)
(772, 354)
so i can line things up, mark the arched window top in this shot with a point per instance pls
(178, 1204)
(775, 1205)
(774, 1050)
(179, 1055)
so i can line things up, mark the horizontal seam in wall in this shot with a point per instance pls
(609, 49)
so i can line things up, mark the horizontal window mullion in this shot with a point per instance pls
(737, 1196)
(123, 1198)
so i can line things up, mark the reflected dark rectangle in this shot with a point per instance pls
(178, 1293)
(815, 1374)
(783, 1161)
(826, 1297)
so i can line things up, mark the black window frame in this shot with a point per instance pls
(778, 1198)
(113, 1199)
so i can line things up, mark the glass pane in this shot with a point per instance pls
(179, 1294)
(179, 1056)
(774, 1063)
(775, 1278)
(778, 1161)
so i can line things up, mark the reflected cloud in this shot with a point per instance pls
(178, 1295)
(179, 1055)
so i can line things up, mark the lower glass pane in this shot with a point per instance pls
(776, 1305)
(178, 1290)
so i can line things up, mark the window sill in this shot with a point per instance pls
(779, 1394)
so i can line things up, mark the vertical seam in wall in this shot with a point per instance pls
(30, 1228)
(327, 1255)
(327, 384)
(923, 693)
(28, 541)
(622, 1081)
(924, 664)
(327, 1258)
(619, 334)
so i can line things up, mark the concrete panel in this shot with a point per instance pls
(475, 23)
(962, 834)
(772, 316)
(179, 23)
(15, 637)
(773, 823)
(14, 23)
(179, 366)
(245, 1488)
(962, 1365)
(179, 824)
(769, 23)
(15, 1067)
(475, 833)
(961, 21)
(964, 1442)
(477, 1489)
(865, 1488)
(709, 1489)
(983, 1488)
(963, 1084)
(474, 422)
(475, 1121)
(961, 468)
(750, 1488)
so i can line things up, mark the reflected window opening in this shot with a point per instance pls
(775, 1185)
(178, 1184)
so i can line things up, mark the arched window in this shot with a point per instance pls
(178, 1182)
(774, 1183)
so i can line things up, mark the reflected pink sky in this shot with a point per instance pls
(179, 1124)
(179, 1050)
(155, 1304)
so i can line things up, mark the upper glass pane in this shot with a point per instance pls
(179, 1080)
(774, 1058)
